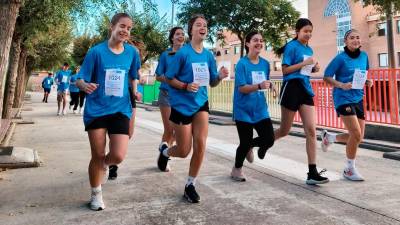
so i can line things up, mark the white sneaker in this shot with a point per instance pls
(58, 113)
(64, 112)
(237, 174)
(352, 174)
(80, 111)
(324, 141)
(74, 111)
(96, 201)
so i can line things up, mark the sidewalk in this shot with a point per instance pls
(58, 191)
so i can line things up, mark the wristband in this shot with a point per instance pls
(259, 87)
(184, 86)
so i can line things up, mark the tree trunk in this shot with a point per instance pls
(8, 15)
(20, 82)
(12, 74)
(390, 39)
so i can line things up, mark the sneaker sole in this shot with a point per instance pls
(350, 179)
(189, 200)
(239, 179)
(96, 208)
(315, 182)
(167, 169)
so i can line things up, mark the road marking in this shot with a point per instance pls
(273, 162)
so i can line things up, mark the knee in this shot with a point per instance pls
(184, 152)
(356, 136)
(98, 158)
(200, 144)
(310, 132)
(118, 159)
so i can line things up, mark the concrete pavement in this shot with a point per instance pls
(275, 193)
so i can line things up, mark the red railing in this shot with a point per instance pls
(381, 101)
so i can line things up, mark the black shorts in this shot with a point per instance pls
(294, 94)
(116, 123)
(47, 90)
(352, 109)
(178, 118)
(133, 98)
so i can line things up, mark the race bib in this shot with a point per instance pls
(306, 70)
(64, 79)
(114, 83)
(201, 74)
(359, 78)
(48, 82)
(257, 76)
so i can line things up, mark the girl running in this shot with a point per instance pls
(176, 38)
(193, 70)
(250, 110)
(104, 77)
(347, 73)
(297, 95)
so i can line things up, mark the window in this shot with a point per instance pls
(398, 57)
(277, 66)
(398, 26)
(236, 49)
(382, 29)
(383, 59)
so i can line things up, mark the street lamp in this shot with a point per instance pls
(173, 11)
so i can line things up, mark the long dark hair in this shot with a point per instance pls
(302, 22)
(172, 33)
(248, 38)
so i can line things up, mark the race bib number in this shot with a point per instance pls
(257, 76)
(48, 82)
(359, 78)
(306, 70)
(114, 83)
(64, 79)
(201, 74)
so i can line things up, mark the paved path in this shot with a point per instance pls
(275, 193)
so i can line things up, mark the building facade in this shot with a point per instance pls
(331, 19)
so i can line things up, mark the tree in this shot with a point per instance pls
(149, 29)
(273, 18)
(8, 15)
(81, 46)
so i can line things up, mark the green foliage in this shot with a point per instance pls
(383, 5)
(273, 18)
(81, 45)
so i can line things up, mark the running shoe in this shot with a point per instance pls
(112, 174)
(96, 201)
(316, 178)
(352, 174)
(237, 175)
(324, 141)
(262, 152)
(162, 161)
(191, 194)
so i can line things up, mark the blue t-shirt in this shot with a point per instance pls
(251, 107)
(47, 82)
(165, 59)
(104, 67)
(184, 101)
(62, 78)
(293, 54)
(342, 67)
(72, 85)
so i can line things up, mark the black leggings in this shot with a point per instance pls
(265, 138)
(82, 95)
(74, 99)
